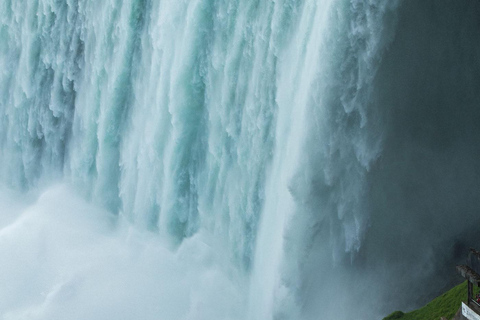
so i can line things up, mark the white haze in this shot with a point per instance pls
(62, 258)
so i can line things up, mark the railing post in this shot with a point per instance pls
(470, 292)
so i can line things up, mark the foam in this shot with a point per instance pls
(63, 258)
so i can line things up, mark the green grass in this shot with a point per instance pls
(445, 305)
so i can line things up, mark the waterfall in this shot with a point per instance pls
(240, 154)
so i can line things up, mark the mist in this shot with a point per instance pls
(63, 258)
(422, 191)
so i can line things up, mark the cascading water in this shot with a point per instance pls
(226, 159)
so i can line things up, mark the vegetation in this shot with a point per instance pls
(445, 305)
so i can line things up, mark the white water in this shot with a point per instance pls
(65, 259)
(202, 159)
(189, 119)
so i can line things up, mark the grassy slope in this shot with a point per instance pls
(445, 305)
